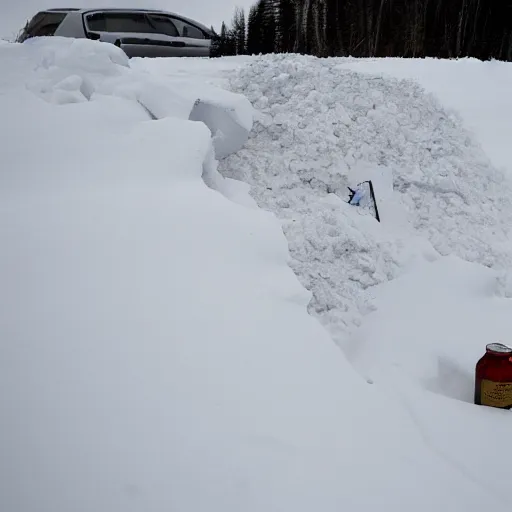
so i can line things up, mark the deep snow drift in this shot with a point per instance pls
(321, 128)
(318, 129)
(156, 351)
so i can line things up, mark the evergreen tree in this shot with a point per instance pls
(223, 45)
(230, 44)
(310, 27)
(362, 28)
(333, 28)
(215, 45)
(239, 31)
(254, 31)
(285, 29)
(268, 31)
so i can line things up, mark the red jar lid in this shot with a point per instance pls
(499, 349)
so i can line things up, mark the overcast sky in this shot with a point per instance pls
(14, 13)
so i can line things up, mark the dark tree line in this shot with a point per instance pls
(372, 28)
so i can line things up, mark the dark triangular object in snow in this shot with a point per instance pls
(372, 195)
(368, 199)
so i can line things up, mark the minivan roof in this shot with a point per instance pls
(117, 9)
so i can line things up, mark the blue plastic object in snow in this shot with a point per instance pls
(364, 196)
(358, 194)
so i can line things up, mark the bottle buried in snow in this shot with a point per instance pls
(493, 382)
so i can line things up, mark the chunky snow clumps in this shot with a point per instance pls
(320, 128)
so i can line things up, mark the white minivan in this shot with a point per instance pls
(139, 32)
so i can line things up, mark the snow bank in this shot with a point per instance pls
(427, 332)
(424, 318)
(70, 71)
(319, 129)
(228, 135)
(479, 92)
(435, 338)
(229, 116)
(156, 350)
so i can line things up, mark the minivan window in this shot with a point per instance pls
(164, 25)
(187, 30)
(42, 24)
(119, 22)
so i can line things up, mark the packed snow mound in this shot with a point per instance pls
(321, 128)
(435, 338)
(229, 116)
(424, 331)
(421, 344)
(478, 91)
(156, 351)
(228, 135)
(66, 70)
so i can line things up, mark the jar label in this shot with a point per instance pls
(496, 394)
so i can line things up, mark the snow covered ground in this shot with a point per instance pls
(155, 347)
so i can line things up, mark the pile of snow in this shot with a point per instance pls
(435, 337)
(479, 92)
(421, 343)
(321, 128)
(156, 351)
(71, 71)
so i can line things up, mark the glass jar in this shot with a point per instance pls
(493, 381)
